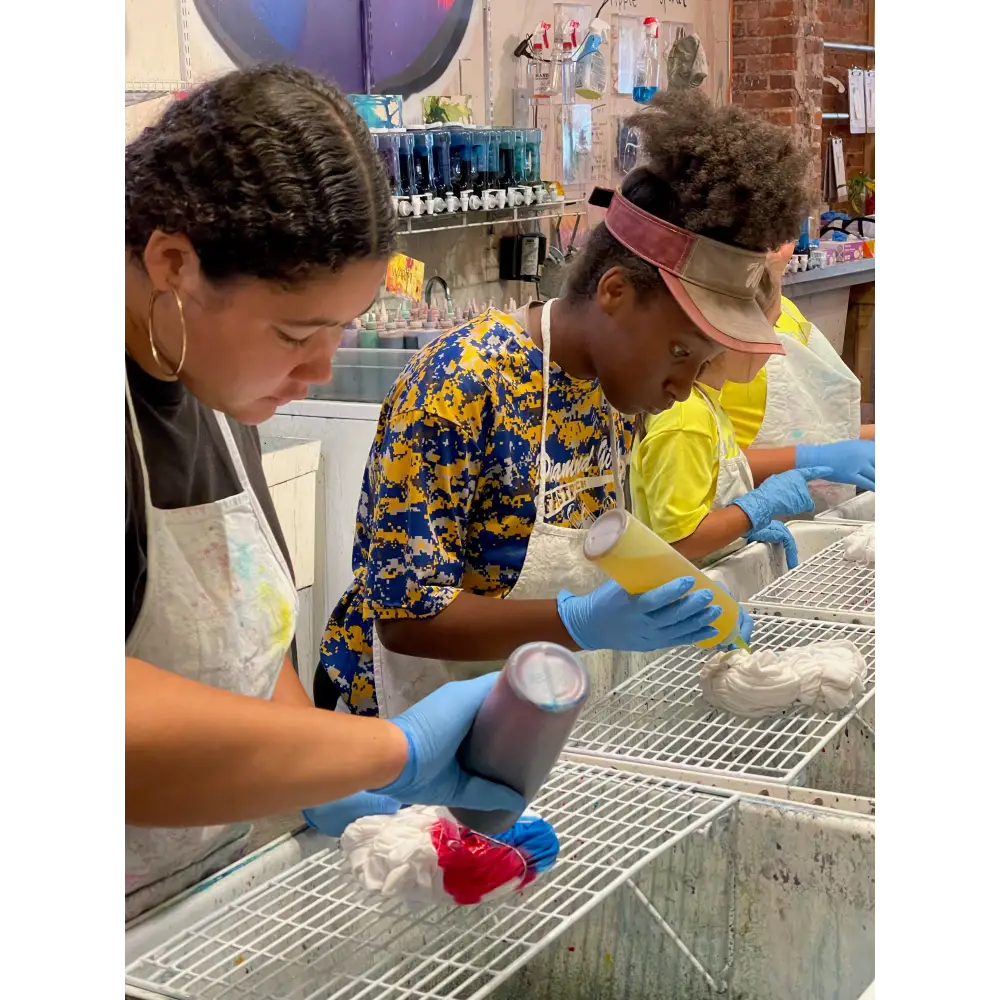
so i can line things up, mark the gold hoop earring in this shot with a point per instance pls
(152, 339)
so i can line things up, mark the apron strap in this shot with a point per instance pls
(804, 332)
(265, 525)
(615, 453)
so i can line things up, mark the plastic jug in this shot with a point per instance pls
(533, 155)
(423, 161)
(442, 161)
(520, 173)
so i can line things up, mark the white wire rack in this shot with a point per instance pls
(312, 933)
(827, 586)
(659, 716)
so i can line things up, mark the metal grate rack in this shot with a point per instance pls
(312, 933)
(827, 586)
(658, 716)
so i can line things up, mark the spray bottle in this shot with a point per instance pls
(647, 66)
(522, 726)
(540, 66)
(591, 66)
(638, 560)
(564, 70)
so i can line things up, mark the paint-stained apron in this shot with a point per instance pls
(734, 480)
(219, 607)
(812, 398)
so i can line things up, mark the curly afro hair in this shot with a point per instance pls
(270, 173)
(713, 170)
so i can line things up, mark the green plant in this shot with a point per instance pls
(442, 110)
(857, 191)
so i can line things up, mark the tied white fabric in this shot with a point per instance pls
(826, 675)
(860, 546)
(394, 855)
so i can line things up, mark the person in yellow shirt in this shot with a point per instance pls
(806, 396)
(694, 486)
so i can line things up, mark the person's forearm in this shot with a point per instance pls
(197, 755)
(766, 462)
(475, 628)
(289, 689)
(716, 531)
(867, 432)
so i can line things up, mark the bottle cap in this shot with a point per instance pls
(604, 533)
(548, 676)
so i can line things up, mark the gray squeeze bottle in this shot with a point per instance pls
(522, 726)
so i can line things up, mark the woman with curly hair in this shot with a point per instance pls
(258, 222)
(691, 481)
(507, 436)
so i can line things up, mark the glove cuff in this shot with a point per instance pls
(566, 606)
(409, 772)
(807, 455)
(754, 506)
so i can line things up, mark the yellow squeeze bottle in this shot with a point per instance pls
(638, 560)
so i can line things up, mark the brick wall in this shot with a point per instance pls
(844, 21)
(779, 64)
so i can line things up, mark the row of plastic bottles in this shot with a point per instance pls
(458, 168)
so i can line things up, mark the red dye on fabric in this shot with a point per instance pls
(473, 866)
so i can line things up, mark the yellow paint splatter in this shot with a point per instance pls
(281, 611)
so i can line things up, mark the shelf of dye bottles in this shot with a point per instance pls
(568, 209)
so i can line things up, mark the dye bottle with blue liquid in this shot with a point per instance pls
(647, 66)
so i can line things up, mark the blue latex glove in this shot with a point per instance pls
(334, 817)
(610, 618)
(783, 495)
(776, 533)
(434, 730)
(744, 623)
(851, 462)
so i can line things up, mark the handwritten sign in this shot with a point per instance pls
(404, 276)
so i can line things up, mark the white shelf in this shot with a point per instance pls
(827, 586)
(659, 717)
(497, 217)
(314, 932)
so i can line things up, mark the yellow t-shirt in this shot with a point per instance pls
(745, 402)
(674, 470)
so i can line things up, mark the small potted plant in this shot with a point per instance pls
(861, 194)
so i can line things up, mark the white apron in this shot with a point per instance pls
(219, 607)
(735, 479)
(554, 561)
(812, 398)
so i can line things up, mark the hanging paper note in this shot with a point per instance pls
(856, 92)
(839, 170)
(870, 99)
(404, 276)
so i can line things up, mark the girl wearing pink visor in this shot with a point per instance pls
(504, 438)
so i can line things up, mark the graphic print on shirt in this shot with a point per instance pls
(448, 497)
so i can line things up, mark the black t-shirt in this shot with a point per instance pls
(188, 464)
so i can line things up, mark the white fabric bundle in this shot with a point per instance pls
(860, 546)
(395, 856)
(826, 675)
(422, 855)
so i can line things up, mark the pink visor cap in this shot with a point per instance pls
(723, 289)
